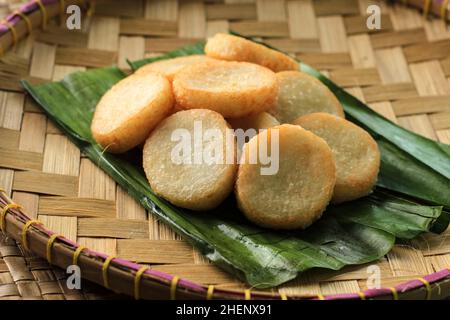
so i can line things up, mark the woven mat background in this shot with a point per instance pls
(402, 71)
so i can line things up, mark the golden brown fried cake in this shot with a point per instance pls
(128, 111)
(300, 94)
(355, 151)
(232, 48)
(262, 120)
(170, 67)
(234, 89)
(176, 175)
(299, 192)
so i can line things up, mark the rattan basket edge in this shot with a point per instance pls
(121, 275)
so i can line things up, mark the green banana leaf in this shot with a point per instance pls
(357, 232)
(411, 164)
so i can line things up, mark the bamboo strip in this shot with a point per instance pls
(42, 60)
(79, 207)
(10, 138)
(216, 26)
(440, 262)
(358, 24)
(431, 244)
(107, 246)
(15, 64)
(385, 109)
(24, 160)
(200, 273)
(355, 77)
(58, 36)
(32, 135)
(445, 64)
(295, 45)
(191, 19)
(269, 10)
(403, 18)
(332, 34)
(407, 261)
(6, 180)
(440, 120)
(131, 48)
(397, 91)
(443, 136)
(420, 105)
(397, 38)
(59, 72)
(339, 287)
(327, 60)
(133, 9)
(104, 34)
(128, 208)
(94, 183)
(356, 92)
(435, 7)
(61, 225)
(144, 27)
(29, 202)
(238, 11)
(261, 29)
(166, 44)
(429, 78)
(302, 20)
(302, 286)
(361, 51)
(155, 251)
(392, 66)
(361, 272)
(31, 106)
(341, 7)
(85, 57)
(424, 51)
(61, 156)
(112, 228)
(55, 184)
(11, 110)
(162, 10)
(51, 127)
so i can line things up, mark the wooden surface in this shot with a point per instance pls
(402, 71)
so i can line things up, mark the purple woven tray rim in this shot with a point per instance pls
(12, 19)
(31, 6)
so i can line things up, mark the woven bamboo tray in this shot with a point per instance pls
(401, 71)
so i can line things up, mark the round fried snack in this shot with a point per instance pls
(262, 120)
(300, 94)
(170, 67)
(299, 192)
(128, 111)
(232, 48)
(355, 151)
(183, 174)
(234, 89)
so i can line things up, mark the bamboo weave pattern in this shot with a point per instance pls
(401, 71)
